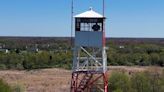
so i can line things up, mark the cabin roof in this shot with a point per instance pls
(89, 14)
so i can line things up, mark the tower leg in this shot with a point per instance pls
(105, 82)
(86, 82)
(74, 82)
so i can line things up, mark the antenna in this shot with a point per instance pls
(72, 12)
(103, 7)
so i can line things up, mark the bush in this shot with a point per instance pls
(2, 66)
(18, 88)
(118, 90)
(119, 82)
(139, 83)
(4, 87)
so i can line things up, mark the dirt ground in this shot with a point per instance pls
(54, 80)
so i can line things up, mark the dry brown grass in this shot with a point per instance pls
(54, 80)
(46, 80)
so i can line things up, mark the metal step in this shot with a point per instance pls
(84, 82)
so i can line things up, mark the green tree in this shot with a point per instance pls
(29, 61)
(155, 58)
(145, 60)
(161, 62)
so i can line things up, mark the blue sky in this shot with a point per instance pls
(125, 18)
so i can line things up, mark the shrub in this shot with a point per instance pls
(4, 87)
(140, 82)
(2, 66)
(18, 88)
(119, 82)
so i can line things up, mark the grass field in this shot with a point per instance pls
(55, 80)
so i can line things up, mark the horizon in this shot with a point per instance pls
(125, 18)
(73, 37)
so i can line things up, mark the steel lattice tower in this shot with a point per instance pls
(89, 58)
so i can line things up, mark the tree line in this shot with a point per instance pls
(56, 52)
(136, 54)
(39, 60)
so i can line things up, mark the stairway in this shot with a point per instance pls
(84, 82)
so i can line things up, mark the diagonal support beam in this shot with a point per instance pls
(91, 56)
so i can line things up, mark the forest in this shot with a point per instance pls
(39, 52)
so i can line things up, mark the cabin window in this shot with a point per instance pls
(85, 24)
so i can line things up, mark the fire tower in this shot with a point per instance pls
(90, 60)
